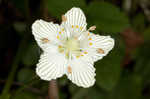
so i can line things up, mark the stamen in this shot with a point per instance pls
(59, 46)
(72, 26)
(69, 69)
(61, 51)
(90, 38)
(44, 40)
(101, 51)
(82, 55)
(90, 43)
(67, 55)
(63, 29)
(76, 38)
(77, 56)
(85, 52)
(59, 32)
(77, 26)
(81, 28)
(57, 37)
(88, 34)
(92, 28)
(64, 19)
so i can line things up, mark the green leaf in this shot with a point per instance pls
(19, 27)
(57, 8)
(89, 93)
(109, 68)
(146, 97)
(21, 5)
(63, 81)
(81, 93)
(73, 88)
(107, 17)
(129, 87)
(63, 95)
(5, 96)
(142, 57)
(25, 74)
(96, 94)
(142, 66)
(31, 55)
(138, 22)
(25, 95)
(146, 34)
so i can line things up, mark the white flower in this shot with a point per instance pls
(70, 48)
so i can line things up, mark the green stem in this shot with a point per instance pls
(14, 66)
(18, 55)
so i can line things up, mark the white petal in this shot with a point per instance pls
(42, 29)
(76, 20)
(82, 74)
(104, 43)
(51, 65)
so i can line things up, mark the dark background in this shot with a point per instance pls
(123, 74)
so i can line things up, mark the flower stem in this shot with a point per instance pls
(53, 90)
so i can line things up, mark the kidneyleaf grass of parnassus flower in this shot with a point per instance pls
(70, 48)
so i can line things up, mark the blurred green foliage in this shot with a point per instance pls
(31, 55)
(26, 95)
(58, 8)
(25, 74)
(108, 75)
(107, 17)
(114, 78)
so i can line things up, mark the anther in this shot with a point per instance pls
(59, 46)
(57, 37)
(90, 43)
(63, 29)
(92, 28)
(44, 40)
(69, 69)
(101, 51)
(64, 19)
(81, 28)
(77, 26)
(77, 56)
(90, 38)
(82, 55)
(85, 52)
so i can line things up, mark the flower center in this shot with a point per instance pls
(72, 44)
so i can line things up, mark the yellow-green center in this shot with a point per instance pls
(72, 44)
